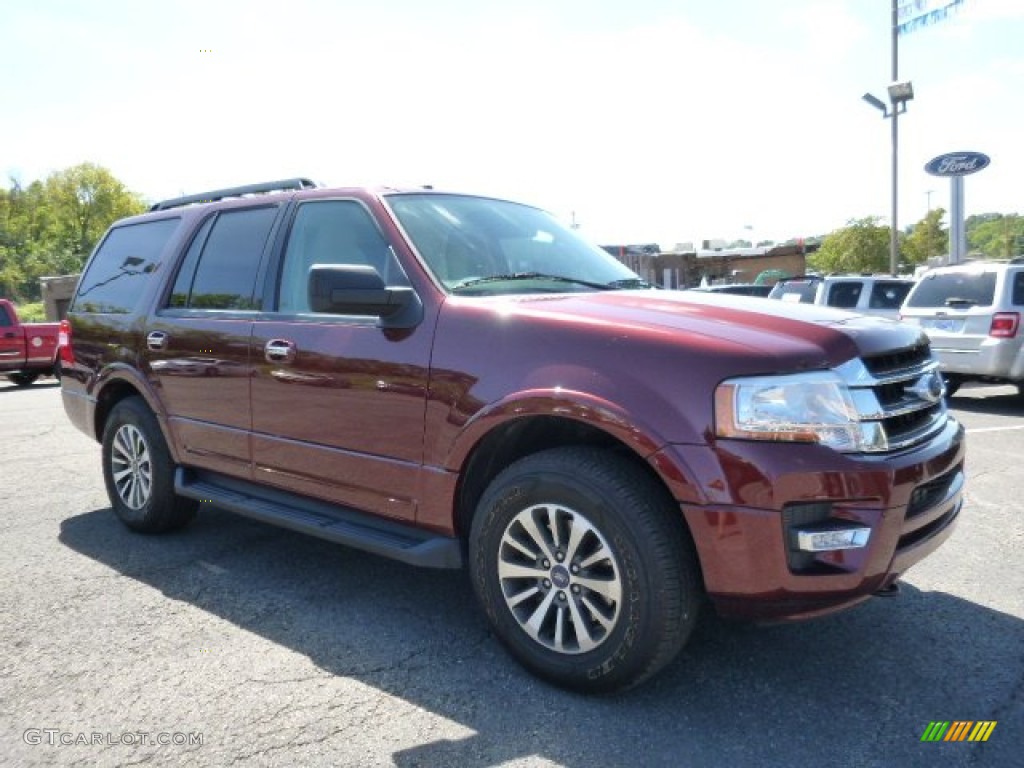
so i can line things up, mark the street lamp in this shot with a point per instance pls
(899, 95)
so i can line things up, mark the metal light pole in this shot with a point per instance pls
(899, 95)
(894, 234)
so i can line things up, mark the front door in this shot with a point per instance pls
(337, 402)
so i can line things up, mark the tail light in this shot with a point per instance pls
(67, 354)
(1004, 325)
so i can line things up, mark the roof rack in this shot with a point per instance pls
(220, 194)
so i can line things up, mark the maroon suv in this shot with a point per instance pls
(454, 380)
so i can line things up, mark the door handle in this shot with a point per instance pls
(9, 335)
(157, 340)
(279, 351)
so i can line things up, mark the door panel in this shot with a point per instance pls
(201, 368)
(342, 419)
(12, 342)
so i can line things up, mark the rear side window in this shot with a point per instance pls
(118, 274)
(228, 260)
(5, 321)
(947, 289)
(844, 295)
(1018, 289)
(888, 294)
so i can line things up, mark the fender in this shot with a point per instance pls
(123, 373)
(641, 436)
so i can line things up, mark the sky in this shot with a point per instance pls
(660, 121)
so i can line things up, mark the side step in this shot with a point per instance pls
(325, 521)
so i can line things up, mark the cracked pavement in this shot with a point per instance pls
(284, 650)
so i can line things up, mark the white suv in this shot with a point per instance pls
(865, 294)
(972, 314)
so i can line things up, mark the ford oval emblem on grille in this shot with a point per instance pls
(927, 388)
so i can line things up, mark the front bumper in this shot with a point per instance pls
(754, 491)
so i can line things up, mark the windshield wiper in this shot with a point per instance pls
(532, 276)
(629, 282)
(957, 300)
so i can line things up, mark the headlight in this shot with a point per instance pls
(811, 407)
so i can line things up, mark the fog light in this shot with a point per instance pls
(833, 539)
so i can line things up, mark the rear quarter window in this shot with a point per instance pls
(888, 295)
(117, 275)
(949, 288)
(1018, 289)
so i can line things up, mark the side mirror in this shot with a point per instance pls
(356, 289)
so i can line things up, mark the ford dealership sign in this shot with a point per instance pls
(957, 164)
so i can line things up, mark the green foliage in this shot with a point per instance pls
(32, 313)
(996, 236)
(861, 246)
(50, 227)
(926, 239)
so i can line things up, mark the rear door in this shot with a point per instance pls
(338, 403)
(196, 348)
(12, 342)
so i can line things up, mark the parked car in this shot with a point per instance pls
(458, 381)
(742, 289)
(865, 294)
(27, 350)
(972, 314)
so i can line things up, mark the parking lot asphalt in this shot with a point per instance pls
(234, 643)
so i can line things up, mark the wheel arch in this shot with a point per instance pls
(509, 439)
(119, 383)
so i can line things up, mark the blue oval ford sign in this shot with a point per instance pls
(957, 163)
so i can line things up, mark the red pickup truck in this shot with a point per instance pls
(27, 350)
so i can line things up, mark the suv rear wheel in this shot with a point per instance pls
(139, 473)
(584, 568)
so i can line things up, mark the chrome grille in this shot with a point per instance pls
(898, 397)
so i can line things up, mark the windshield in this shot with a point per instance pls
(478, 246)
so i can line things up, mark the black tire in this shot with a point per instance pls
(952, 385)
(139, 473)
(650, 589)
(23, 378)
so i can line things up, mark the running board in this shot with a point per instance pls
(325, 521)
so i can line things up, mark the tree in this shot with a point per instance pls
(50, 227)
(996, 236)
(85, 200)
(861, 246)
(927, 238)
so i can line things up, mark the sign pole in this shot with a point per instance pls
(957, 228)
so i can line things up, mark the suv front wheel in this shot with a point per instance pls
(584, 568)
(139, 473)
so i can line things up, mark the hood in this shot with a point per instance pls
(744, 325)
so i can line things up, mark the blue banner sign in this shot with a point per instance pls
(915, 14)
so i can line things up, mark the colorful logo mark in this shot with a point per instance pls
(958, 730)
